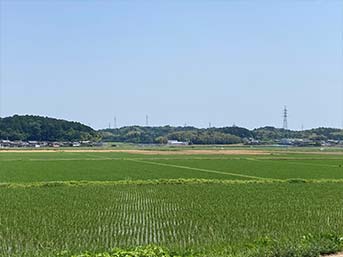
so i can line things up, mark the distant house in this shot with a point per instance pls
(252, 141)
(76, 144)
(86, 143)
(5, 143)
(286, 141)
(176, 142)
(34, 144)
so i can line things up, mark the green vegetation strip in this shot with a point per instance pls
(309, 246)
(197, 169)
(168, 182)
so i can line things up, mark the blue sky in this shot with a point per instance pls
(193, 62)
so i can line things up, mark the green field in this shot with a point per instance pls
(285, 204)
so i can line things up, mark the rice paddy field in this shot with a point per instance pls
(88, 203)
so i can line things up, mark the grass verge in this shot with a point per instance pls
(308, 246)
(167, 182)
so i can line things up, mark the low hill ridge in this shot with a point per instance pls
(224, 135)
(38, 128)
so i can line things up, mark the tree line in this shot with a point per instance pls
(225, 135)
(160, 135)
(37, 128)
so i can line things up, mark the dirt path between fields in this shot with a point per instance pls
(145, 152)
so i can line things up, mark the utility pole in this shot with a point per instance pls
(285, 115)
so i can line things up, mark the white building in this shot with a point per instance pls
(176, 142)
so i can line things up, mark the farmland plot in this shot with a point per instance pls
(228, 206)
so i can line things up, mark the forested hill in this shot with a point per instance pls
(39, 128)
(137, 134)
(225, 135)
(316, 134)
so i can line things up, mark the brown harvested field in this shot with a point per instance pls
(149, 152)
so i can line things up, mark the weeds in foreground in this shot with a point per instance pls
(309, 246)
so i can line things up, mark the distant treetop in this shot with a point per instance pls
(29, 127)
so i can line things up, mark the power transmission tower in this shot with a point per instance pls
(285, 115)
(115, 122)
(147, 120)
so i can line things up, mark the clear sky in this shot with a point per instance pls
(193, 62)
